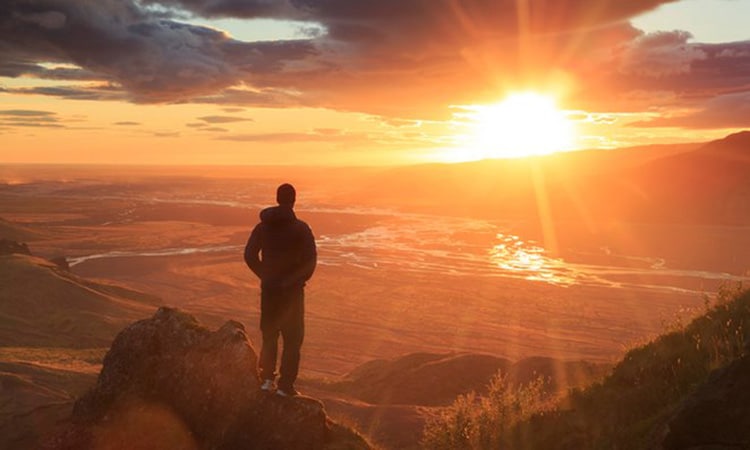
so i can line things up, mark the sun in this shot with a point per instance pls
(523, 124)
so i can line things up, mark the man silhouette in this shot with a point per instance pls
(281, 252)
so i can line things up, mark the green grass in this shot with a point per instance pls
(627, 410)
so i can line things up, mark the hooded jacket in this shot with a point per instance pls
(281, 249)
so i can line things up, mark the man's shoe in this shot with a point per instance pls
(287, 392)
(267, 386)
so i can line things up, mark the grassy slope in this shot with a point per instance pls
(54, 327)
(391, 400)
(429, 379)
(43, 306)
(630, 408)
(651, 381)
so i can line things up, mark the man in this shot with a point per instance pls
(281, 252)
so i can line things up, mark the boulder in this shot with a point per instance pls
(168, 382)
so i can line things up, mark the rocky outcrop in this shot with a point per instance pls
(168, 382)
(717, 415)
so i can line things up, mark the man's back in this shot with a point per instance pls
(287, 247)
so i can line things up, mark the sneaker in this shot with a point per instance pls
(287, 392)
(267, 386)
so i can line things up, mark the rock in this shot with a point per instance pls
(168, 382)
(717, 415)
(9, 247)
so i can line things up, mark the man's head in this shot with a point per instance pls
(286, 195)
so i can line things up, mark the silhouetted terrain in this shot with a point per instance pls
(429, 379)
(686, 389)
(45, 306)
(168, 382)
(687, 183)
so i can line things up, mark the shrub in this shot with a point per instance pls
(475, 422)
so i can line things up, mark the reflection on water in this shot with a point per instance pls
(439, 246)
(528, 260)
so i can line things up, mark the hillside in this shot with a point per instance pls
(684, 390)
(430, 379)
(53, 328)
(393, 399)
(685, 183)
(42, 305)
(16, 232)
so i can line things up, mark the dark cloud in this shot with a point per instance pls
(153, 58)
(661, 54)
(127, 123)
(726, 111)
(25, 113)
(73, 92)
(395, 58)
(215, 129)
(229, 8)
(16, 69)
(29, 118)
(669, 71)
(224, 119)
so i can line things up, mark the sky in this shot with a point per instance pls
(342, 82)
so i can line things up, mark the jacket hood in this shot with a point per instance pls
(277, 215)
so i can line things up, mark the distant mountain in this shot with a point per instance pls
(696, 183)
(711, 183)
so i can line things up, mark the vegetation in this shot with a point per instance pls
(474, 422)
(629, 409)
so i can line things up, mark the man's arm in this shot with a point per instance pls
(306, 267)
(252, 252)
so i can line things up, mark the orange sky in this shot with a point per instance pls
(335, 82)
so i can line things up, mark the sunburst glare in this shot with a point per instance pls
(524, 124)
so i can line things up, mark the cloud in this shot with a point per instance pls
(268, 98)
(26, 113)
(224, 119)
(167, 134)
(154, 59)
(16, 68)
(73, 92)
(10, 118)
(404, 59)
(726, 111)
(689, 75)
(127, 123)
(661, 54)
(297, 137)
(229, 8)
